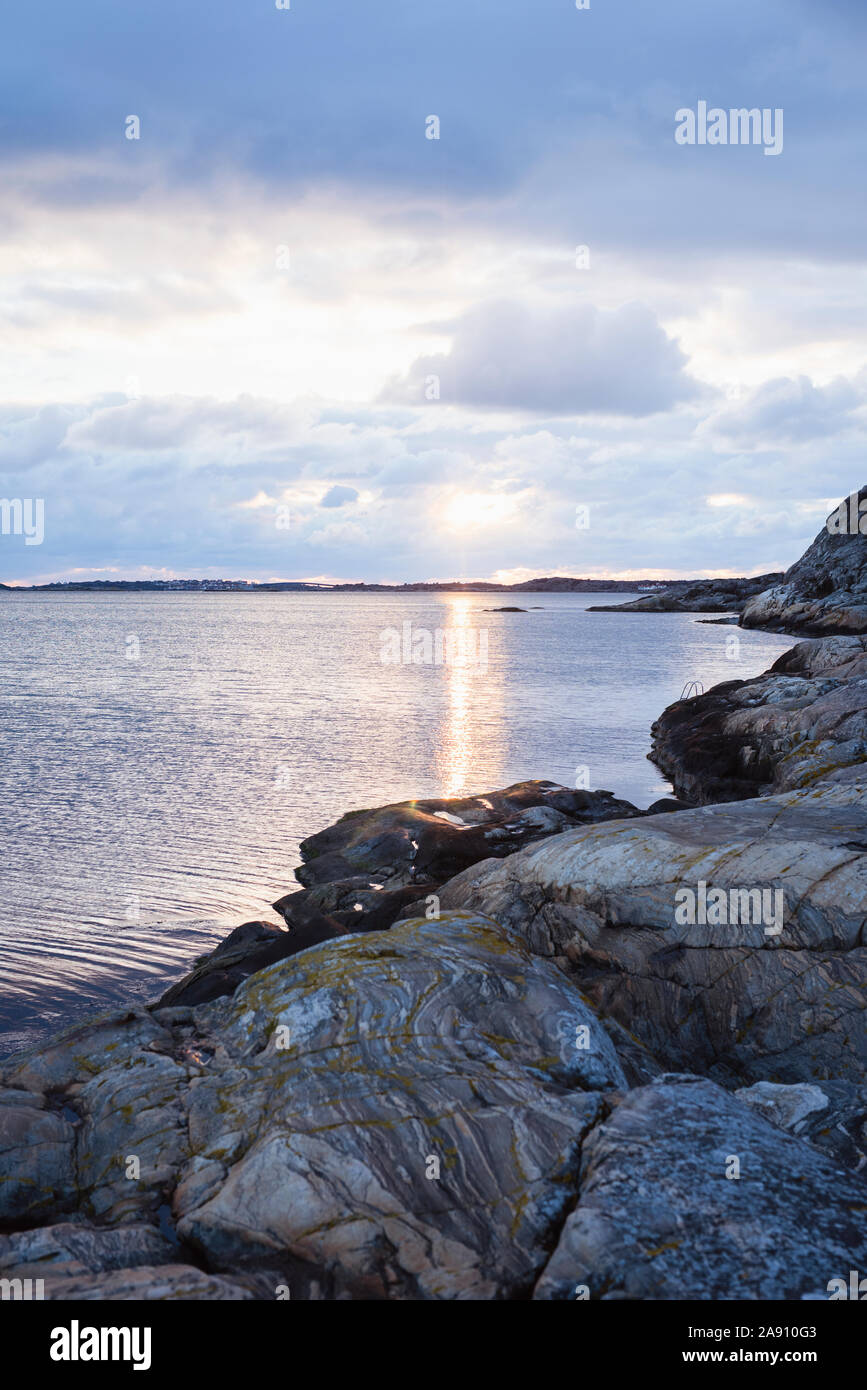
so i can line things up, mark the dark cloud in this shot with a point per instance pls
(574, 109)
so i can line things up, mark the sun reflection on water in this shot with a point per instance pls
(473, 698)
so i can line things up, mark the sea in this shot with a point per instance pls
(164, 753)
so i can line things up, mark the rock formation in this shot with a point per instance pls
(780, 999)
(826, 590)
(363, 871)
(804, 720)
(433, 1112)
(695, 596)
(428, 841)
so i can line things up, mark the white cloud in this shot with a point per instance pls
(792, 410)
(566, 359)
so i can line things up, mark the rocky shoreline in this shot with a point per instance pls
(696, 596)
(803, 721)
(531, 1044)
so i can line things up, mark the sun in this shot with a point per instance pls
(469, 511)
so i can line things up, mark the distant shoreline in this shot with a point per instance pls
(556, 584)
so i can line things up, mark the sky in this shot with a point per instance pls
(286, 333)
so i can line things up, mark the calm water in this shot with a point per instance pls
(163, 755)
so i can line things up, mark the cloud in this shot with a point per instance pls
(27, 441)
(172, 422)
(793, 410)
(342, 536)
(256, 503)
(729, 369)
(338, 496)
(156, 298)
(575, 360)
(457, 497)
(336, 97)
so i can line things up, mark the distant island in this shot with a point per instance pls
(556, 584)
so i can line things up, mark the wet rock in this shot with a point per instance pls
(347, 905)
(424, 842)
(249, 948)
(372, 867)
(667, 804)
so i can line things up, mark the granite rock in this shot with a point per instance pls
(741, 1001)
(680, 1197)
(802, 722)
(826, 590)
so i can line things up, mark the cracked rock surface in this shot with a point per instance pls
(680, 1198)
(730, 1001)
(432, 1112)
